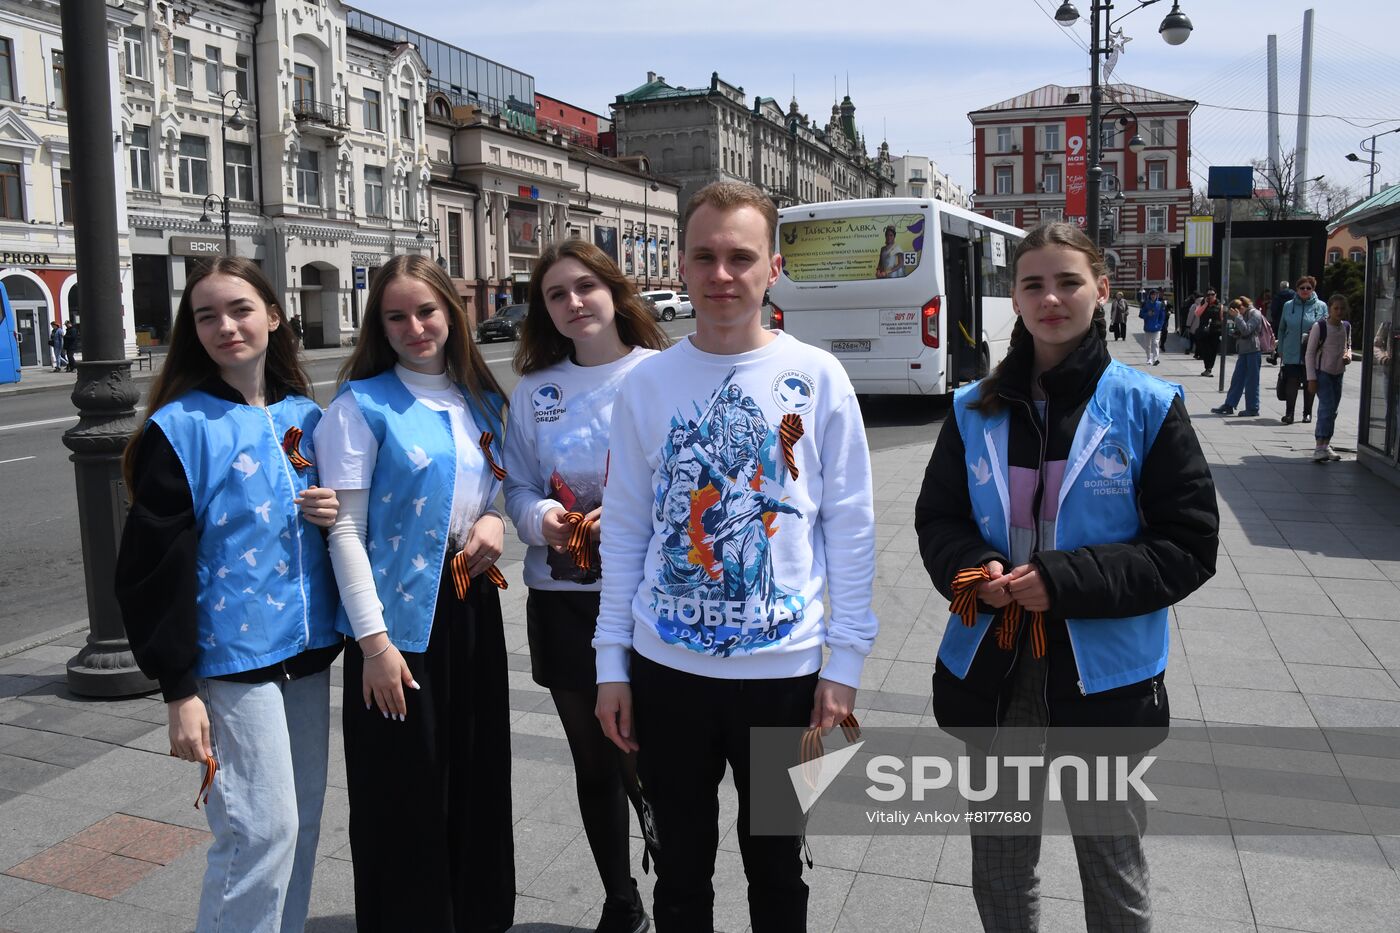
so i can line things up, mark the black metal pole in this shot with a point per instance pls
(646, 237)
(1095, 134)
(223, 161)
(105, 395)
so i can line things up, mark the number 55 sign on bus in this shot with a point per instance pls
(1076, 171)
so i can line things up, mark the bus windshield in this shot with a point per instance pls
(852, 249)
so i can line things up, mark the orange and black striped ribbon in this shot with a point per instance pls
(812, 747)
(789, 433)
(462, 581)
(497, 470)
(291, 444)
(1011, 620)
(211, 767)
(965, 585)
(580, 546)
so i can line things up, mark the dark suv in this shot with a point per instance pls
(504, 326)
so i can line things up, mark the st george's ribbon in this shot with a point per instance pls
(964, 605)
(789, 433)
(462, 581)
(291, 446)
(580, 546)
(497, 470)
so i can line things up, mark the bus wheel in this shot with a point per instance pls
(984, 362)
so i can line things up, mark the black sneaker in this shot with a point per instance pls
(1223, 410)
(1287, 419)
(624, 915)
(1307, 419)
(1250, 413)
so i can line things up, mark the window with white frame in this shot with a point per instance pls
(213, 69)
(374, 111)
(194, 164)
(11, 191)
(238, 172)
(303, 83)
(139, 154)
(1003, 139)
(1157, 133)
(65, 194)
(1050, 215)
(1050, 178)
(1108, 136)
(374, 191)
(1051, 136)
(1007, 216)
(180, 56)
(134, 48)
(242, 77)
(405, 119)
(1156, 176)
(1156, 220)
(309, 177)
(7, 69)
(1005, 179)
(60, 80)
(1333, 255)
(1357, 254)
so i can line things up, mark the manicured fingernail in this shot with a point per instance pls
(413, 684)
(366, 706)
(400, 717)
(385, 713)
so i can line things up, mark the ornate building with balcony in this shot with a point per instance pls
(38, 263)
(707, 134)
(277, 132)
(1022, 170)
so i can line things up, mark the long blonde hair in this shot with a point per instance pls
(373, 354)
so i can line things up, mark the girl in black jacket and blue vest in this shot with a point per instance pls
(412, 445)
(1066, 506)
(226, 591)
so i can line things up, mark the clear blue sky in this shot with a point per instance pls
(915, 70)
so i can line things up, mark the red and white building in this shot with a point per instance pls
(1033, 148)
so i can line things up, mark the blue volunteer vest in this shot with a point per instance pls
(410, 504)
(266, 592)
(1097, 505)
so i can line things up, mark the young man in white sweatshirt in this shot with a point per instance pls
(739, 539)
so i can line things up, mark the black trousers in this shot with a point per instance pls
(430, 813)
(1295, 376)
(689, 727)
(1209, 345)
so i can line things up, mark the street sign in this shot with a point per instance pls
(1200, 236)
(361, 276)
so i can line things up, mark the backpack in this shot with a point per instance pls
(1268, 343)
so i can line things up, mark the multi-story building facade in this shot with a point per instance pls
(1022, 170)
(580, 127)
(38, 265)
(919, 177)
(702, 135)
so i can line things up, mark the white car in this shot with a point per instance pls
(669, 305)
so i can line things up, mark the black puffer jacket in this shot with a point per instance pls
(1174, 554)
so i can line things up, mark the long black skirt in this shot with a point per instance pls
(430, 797)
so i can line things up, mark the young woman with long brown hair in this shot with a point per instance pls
(585, 330)
(227, 594)
(411, 444)
(1066, 507)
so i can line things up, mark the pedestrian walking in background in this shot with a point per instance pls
(412, 446)
(752, 442)
(1166, 323)
(1154, 318)
(1119, 320)
(1245, 323)
(72, 345)
(586, 328)
(1281, 297)
(1298, 316)
(56, 344)
(1193, 324)
(226, 590)
(1326, 358)
(1208, 331)
(1101, 460)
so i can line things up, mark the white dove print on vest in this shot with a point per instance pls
(264, 511)
(981, 471)
(250, 556)
(419, 458)
(246, 465)
(418, 505)
(419, 562)
(223, 520)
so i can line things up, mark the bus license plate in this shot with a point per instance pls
(850, 346)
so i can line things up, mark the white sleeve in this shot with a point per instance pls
(847, 515)
(346, 448)
(526, 485)
(626, 534)
(354, 576)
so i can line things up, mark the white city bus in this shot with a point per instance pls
(912, 295)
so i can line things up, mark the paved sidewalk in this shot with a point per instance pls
(1300, 626)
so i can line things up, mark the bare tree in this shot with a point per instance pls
(1276, 200)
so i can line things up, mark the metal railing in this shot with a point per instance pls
(316, 111)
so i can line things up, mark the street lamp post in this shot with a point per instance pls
(646, 234)
(226, 120)
(1371, 151)
(1175, 29)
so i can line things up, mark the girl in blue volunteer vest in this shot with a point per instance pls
(226, 589)
(412, 445)
(1066, 506)
(585, 330)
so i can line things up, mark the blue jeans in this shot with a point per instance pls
(1329, 397)
(270, 740)
(1244, 381)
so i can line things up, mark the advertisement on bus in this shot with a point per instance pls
(852, 249)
